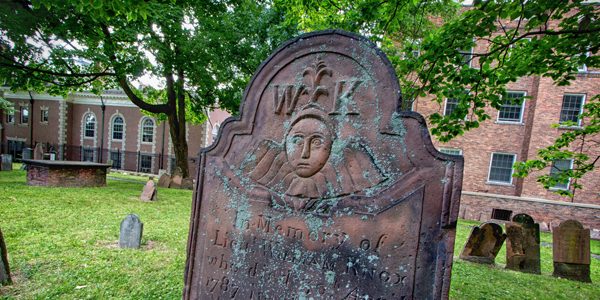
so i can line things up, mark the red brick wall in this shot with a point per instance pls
(549, 214)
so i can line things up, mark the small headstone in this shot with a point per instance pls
(484, 243)
(187, 183)
(6, 162)
(149, 192)
(130, 235)
(26, 153)
(177, 178)
(4, 268)
(38, 152)
(164, 180)
(523, 244)
(571, 251)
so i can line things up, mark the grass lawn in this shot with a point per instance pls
(62, 244)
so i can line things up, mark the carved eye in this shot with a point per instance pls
(317, 142)
(297, 139)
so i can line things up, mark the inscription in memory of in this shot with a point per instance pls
(322, 188)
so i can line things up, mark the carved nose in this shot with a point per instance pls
(306, 149)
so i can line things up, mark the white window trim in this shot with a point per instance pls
(21, 123)
(583, 68)
(12, 114)
(471, 53)
(42, 109)
(460, 151)
(568, 183)
(512, 170)
(85, 137)
(112, 128)
(580, 110)
(142, 131)
(520, 122)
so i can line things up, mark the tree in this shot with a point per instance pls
(202, 52)
(522, 38)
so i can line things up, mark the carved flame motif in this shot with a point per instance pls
(315, 75)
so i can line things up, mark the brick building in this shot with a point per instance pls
(516, 133)
(78, 128)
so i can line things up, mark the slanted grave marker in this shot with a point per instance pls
(130, 232)
(523, 244)
(571, 251)
(5, 278)
(483, 244)
(149, 191)
(323, 188)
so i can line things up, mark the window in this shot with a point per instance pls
(147, 131)
(44, 115)
(87, 154)
(451, 151)
(24, 114)
(115, 156)
(501, 168)
(572, 106)
(117, 128)
(90, 125)
(145, 163)
(10, 117)
(512, 108)
(558, 166)
(467, 56)
(451, 104)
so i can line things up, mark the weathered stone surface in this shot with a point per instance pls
(323, 189)
(571, 251)
(66, 173)
(187, 183)
(5, 278)
(149, 191)
(523, 244)
(164, 180)
(7, 161)
(130, 235)
(38, 151)
(483, 244)
(176, 178)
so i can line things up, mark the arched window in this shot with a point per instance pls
(90, 125)
(117, 128)
(147, 131)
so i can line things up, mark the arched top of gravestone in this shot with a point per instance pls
(495, 228)
(570, 224)
(524, 219)
(315, 61)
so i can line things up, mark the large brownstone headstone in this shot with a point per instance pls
(484, 243)
(322, 188)
(164, 180)
(523, 244)
(571, 251)
(5, 278)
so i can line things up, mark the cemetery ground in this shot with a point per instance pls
(62, 244)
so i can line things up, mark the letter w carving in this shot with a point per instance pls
(288, 98)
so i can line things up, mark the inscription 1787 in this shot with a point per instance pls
(322, 189)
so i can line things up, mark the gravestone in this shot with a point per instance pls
(323, 188)
(164, 180)
(484, 243)
(5, 278)
(187, 183)
(149, 191)
(6, 164)
(131, 230)
(38, 151)
(523, 244)
(176, 178)
(571, 251)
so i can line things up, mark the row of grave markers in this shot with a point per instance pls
(571, 247)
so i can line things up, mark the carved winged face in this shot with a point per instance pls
(308, 145)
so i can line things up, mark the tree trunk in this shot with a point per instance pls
(180, 146)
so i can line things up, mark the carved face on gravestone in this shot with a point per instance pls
(308, 143)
